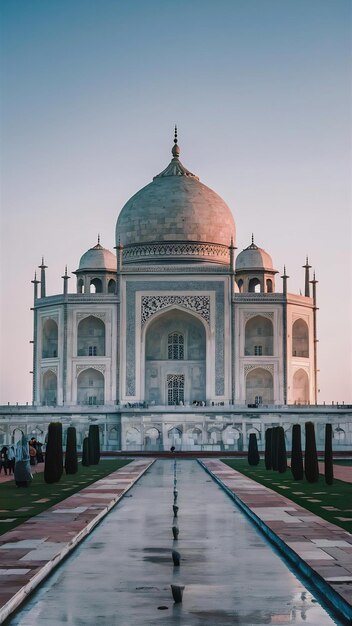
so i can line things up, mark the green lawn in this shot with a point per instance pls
(19, 504)
(343, 462)
(314, 497)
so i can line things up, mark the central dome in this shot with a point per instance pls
(175, 217)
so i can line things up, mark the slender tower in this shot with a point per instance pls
(35, 283)
(232, 249)
(284, 333)
(42, 268)
(306, 267)
(315, 338)
(65, 278)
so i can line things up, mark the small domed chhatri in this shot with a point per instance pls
(98, 258)
(253, 257)
(254, 270)
(175, 217)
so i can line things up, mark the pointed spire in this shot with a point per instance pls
(98, 239)
(175, 148)
(252, 239)
(42, 268)
(35, 283)
(306, 278)
(65, 278)
(284, 281)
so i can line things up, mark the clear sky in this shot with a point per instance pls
(261, 93)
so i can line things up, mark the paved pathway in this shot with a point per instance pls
(30, 551)
(121, 574)
(341, 472)
(320, 549)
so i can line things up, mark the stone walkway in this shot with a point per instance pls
(341, 472)
(30, 551)
(321, 550)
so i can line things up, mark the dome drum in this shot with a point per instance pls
(181, 251)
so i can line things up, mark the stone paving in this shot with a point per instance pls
(320, 549)
(30, 551)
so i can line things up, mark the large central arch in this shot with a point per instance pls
(175, 358)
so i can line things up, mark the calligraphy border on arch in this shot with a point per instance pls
(152, 304)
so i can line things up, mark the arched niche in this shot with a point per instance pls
(49, 389)
(133, 438)
(259, 387)
(96, 285)
(80, 285)
(240, 285)
(175, 359)
(91, 337)
(269, 285)
(254, 285)
(90, 387)
(50, 339)
(259, 335)
(112, 286)
(152, 439)
(300, 387)
(300, 339)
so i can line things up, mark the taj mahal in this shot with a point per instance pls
(176, 338)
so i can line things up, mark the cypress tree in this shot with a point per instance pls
(85, 452)
(281, 451)
(59, 451)
(94, 444)
(267, 458)
(311, 468)
(296, 455)
(53, 467)
(71, 463)
(328, 458)
(274, 440)
(253, 454)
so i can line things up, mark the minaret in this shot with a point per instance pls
(315, 339)
(35, 283)
(284, 333)
(42, 268)
(65, 278)
(284, 282)
(233, 330)
(306, 278)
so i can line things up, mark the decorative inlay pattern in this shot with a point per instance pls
(269, 367)
(173, 285)
(153, 304)
(52, 369)
(81, 316)
(80, 368)
(175, 248)
(53, 317)
(247, 315)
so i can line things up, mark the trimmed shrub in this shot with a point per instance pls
(53, 466)
(311, 468)
(328, 458)
(296, 454)
(85, 452)
(281, 451)
(71, 463)
(253, 454)
(267, 457)
(274, 441)
(94, 444)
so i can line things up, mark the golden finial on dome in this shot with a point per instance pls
(175, 148)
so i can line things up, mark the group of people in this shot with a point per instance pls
(7, 459)
(35, 451)
(9, 454)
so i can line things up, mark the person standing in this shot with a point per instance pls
(4, 459)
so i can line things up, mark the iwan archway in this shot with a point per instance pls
(175, 345)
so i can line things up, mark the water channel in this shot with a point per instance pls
(121, 574)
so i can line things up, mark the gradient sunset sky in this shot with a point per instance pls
(261, 93)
